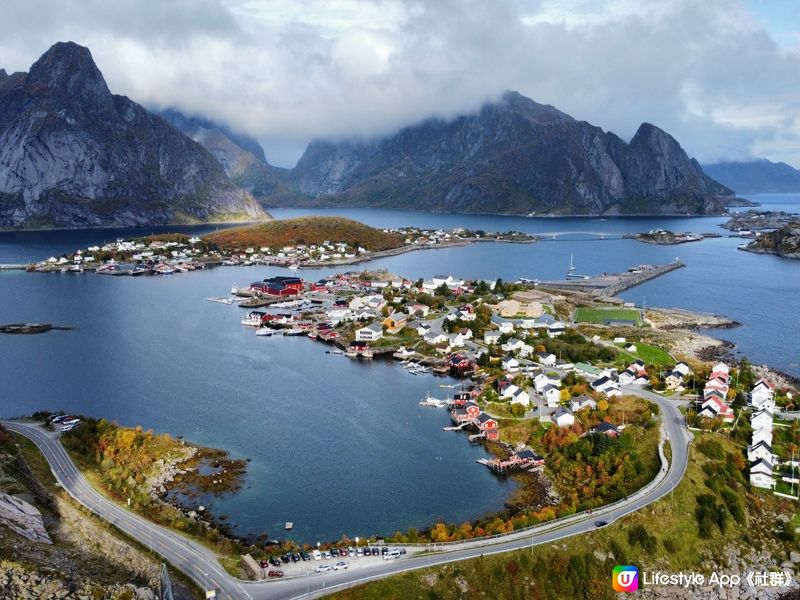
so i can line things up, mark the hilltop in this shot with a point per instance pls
(783, 242)
(305, 230)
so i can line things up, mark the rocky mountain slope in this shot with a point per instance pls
(72, 154)
(757, 176)
(240, 155)
(512, 156)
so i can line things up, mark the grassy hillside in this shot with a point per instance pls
(305, 230)
(713, 519)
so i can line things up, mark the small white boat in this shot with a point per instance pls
(429, 400)
(293, 267)
(234, 289)
(253, 319)
(446, 385)
(264, 331)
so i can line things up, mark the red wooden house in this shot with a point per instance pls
(488, 426)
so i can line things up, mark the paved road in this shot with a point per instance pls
(200, 564)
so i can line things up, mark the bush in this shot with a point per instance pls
(712, 449)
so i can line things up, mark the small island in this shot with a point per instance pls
(307, 242)
(783, 242)
(668, 238)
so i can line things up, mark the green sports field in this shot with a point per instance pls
(604, 315)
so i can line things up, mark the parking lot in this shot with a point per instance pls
(316, 562)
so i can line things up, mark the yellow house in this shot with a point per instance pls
(395, 322)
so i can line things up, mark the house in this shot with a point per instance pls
(631, 348)
(762, 392)
(682, 368)
(606, 428)
(581, 403)
(491, 337)
(503, 325)
(588, 370)
(606, 385)
(721, 367)
(528, 457)
(512, 344)
(556, 329)
(563, 418)
(525, 351)
(418, 309)
(422, 329)
(762, 435)
(552, 395)
(455, 341)
(761, 474)
(460, 366)
(473, 410)
(635, 374)
(546, 358)
(395, 322)
(761, 419)
(370, 333)
(760, 450)
(488, 426)
(462, 336)
(542, 380)
(516, 395)
(434, 338)
(510, 364)
(674, 380)
(713, 408)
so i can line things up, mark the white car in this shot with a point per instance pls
(317, 555)
(342, 564)
(393, 553)
(323, 568)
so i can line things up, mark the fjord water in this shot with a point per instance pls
(336, 446)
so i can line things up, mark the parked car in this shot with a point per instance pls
(351, 551)
(296, 557)
(359, 551)
(393, 553)
(286, 558)
(323, 568)
(304, 555)
(264, 564)
(275, 561)
(384, 550)
(275, 573)
(326, 555)
(343, 552)
(316, 554)
(342, 564)
(334, 552)
(402, 550)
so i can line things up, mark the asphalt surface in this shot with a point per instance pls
(200, 563)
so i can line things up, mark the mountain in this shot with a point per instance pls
(511, 156)
(240, 155)
(755, 176)
(72, 154)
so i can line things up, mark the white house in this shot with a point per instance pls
(581, 403)
(370, 333)
(607, 386)
(491, 337)
(510, 364)
(760, 450)
(761, 474)
(542, 380)
(721, 367)
(761, 419)
(503, 325)
(762, 392)
(525, 351)
(552, 395)
(434, 338)
(631, 348)
(516, 395)
(546, 358)
(556, 329)
(682, 368)
(563, 418)
(762, 435)
(422, 329)
(512, 344)
(419, 309)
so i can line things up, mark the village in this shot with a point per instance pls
(165, 254)
(534, 378)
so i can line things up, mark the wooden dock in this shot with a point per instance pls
(10, 267)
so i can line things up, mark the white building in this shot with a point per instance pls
(370, 333)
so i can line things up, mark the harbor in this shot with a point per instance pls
(610, 284)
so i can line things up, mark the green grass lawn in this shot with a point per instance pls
(584, 314)
(651, 355)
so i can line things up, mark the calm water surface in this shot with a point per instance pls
(336, 446)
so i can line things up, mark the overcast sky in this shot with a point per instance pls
(722, 76)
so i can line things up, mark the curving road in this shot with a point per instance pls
(201, 565)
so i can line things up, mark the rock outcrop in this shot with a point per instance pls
(23, 518)
(512, 156)
(72, 154)
(783, 242)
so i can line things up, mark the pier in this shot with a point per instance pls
(611, 285)
(10, 267)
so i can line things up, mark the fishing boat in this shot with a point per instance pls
(429, 400)
(293, 332)
(253, 319)
(446, 385)
(571, 274)
(264, 331)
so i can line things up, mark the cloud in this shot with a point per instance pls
(285, 71)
